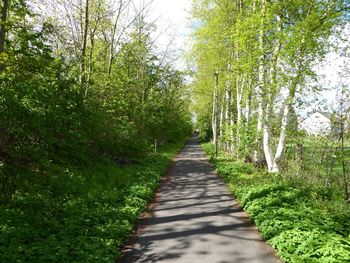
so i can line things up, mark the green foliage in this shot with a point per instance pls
(293, 216)
(265, 54)
(247, 138)
(47, 117)
(79, 215)
(63, 118)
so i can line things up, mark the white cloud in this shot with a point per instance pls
(172, 25)
(334, 70)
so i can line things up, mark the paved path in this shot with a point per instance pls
(195, 219)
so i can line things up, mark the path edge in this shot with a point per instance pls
(237, 204)
(147, 213)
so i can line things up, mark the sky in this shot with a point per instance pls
(334, 70)
(173, 26)
(173, 20)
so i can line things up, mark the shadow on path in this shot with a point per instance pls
(197, 220)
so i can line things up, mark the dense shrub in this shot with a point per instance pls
(78, 215)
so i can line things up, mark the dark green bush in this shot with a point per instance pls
(79, 215)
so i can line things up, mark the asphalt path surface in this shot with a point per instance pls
(194, 218)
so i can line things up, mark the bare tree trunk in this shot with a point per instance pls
(3, 21)
(215, 113)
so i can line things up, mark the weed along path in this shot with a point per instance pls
(195, 219)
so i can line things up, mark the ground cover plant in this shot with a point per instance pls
(79, 214)
(304, 223)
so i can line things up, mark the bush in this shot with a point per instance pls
(79, 215)
(291, 215)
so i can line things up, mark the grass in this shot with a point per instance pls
(79, 215)
(321, 164)
(301, 221)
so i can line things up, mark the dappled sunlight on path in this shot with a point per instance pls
(195, 219)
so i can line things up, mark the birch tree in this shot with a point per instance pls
(215, 113)
(273, 45)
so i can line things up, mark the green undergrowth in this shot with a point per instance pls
(79, 215)
(303, 223)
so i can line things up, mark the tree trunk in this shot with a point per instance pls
(227, 101)
(342, 119)
(283, 134)
(215, 113)
(261, 84)
(227, 111)
(266, 139)
(239, 110)
(273, 161)
(83, 49)
(221, 128)
(289, 102)
(239, 84)
(3, 31)
(232, 123)
(299, 157)
(248, 111)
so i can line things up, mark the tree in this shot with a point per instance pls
(3, 23)
(270, 48)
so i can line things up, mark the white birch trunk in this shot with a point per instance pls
(227, 111)
(282, 139)
(221, 123)
(232, 123)
(267, 149)
(215, 113)
(248, 111)
(269, 157)
(261, 83)
(274, 161)
(239, 97)
(227, 101)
